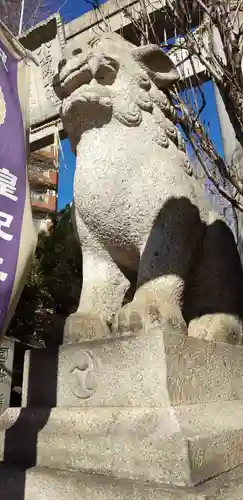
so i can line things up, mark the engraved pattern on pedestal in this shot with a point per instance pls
(84, 376)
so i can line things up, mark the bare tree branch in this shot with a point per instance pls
(34, 11)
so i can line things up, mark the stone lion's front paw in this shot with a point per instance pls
(218, 327)
(128, 319)
(85, 326)
(137, 317)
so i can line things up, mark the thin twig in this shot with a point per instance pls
(240, 3)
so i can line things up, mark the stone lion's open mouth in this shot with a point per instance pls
(90, 93)
(73, 74)
(69, 81)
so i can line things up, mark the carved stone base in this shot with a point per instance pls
(41, 483)
(147, 370)
(178, 446)
(160, 407)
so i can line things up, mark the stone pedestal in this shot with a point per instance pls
(153, 370)
(156, 415)
(42, 483)
(6, 367)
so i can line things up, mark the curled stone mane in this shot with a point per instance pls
(145, 96)
(137, 89)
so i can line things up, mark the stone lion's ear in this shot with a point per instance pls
(158, 65)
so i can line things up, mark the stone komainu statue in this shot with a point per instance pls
(154, 251)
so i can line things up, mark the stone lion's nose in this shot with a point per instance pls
(61, 64)
(94, 64)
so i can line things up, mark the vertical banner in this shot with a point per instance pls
(15, 210)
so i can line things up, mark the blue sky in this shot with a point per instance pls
(208, 116)
(70, 9)
(75, 8)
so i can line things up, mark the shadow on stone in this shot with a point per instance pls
(204, 255)
(21, 439)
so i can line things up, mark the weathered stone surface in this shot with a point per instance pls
(46, 42)
(180, 446)
(41, 483)
(161, 407)
(6, 366)
(144, 370)
(115, 442)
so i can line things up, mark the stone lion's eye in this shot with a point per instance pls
(77, 51)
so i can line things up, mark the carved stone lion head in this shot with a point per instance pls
(111, 79)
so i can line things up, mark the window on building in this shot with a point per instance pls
(37, 196)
